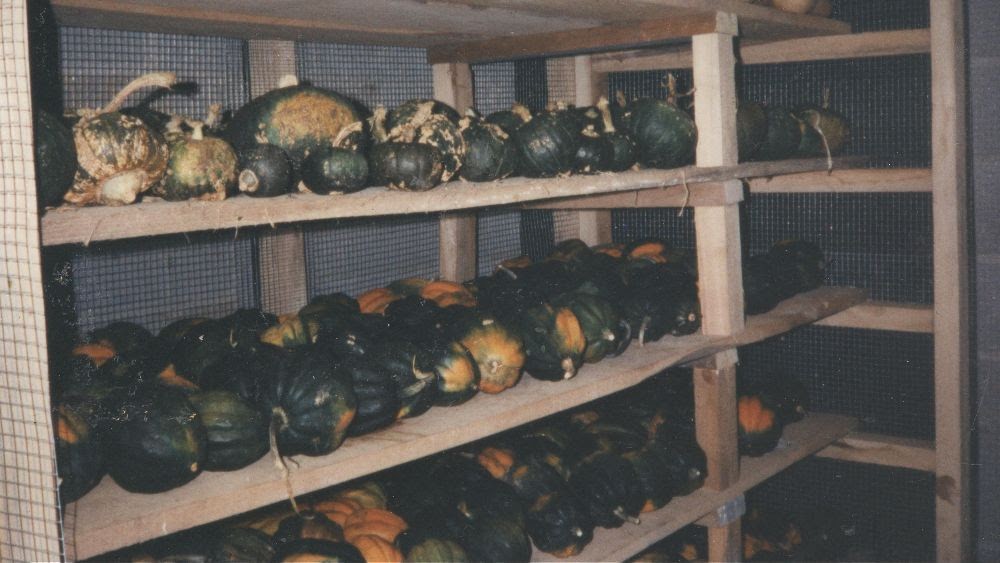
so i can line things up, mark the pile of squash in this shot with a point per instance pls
(303, 137)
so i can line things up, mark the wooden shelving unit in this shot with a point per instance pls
(697, 33)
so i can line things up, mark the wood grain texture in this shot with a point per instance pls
(881, 315)
(951, 280)
(709, 194)
(877, 449)
(874, 180)
(852, 46)
(715, 421)
(594, 224)
(457, 246)
(109, 518)
(64, 225)
(801, 439)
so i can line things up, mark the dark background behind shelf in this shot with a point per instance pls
(881, 242)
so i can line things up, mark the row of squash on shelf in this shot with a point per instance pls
(323, 142)
(216, 394)
(549, 484)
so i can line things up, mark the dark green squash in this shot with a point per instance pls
(655, 484)
(783, 135)
(547, 144)
(430, 549)
(246, 325)
(199, 348)
(622, 148)
(264, 171)
(241, 545)
(489, 152)
(457, 375)
(608, 486)
(559, 525)
(55, 159)
(415, 387)
(118, 156)
(409, 110)
(124, 337)
(331, 169)
(496, 540)
(593, 154)
(298, 119)
(751, 128)
(607, 333)
(236, 431)
(79, 454)
(799, 265)
(510, 120)
(376, 393)
(406, 166)
(200, 167)
(315, 551)
(686, 465)
(762, 290)
(425, 126)
(759, 425)
(824, 131)
(497, 350)
(664, 134)
(554, 342)
(312, 404)
(307, 525)
(157, 442)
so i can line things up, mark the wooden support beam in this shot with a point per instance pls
(951, 280)
(859, 180)
(881, 315)
(715, 420)
(281, 256)
(708, 194)
(618, 35)
(594, 224)
(833, 47)
(877, 449)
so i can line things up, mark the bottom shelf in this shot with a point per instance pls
(800, 440)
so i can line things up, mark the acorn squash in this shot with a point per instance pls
(236, 431)
(264, 171)
(79, 454)
(554, 342)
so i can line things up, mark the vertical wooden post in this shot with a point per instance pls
(720, 277)
(951, 294)
(457, 231)
(281, 251)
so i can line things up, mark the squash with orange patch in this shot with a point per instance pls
(554, 343)
(79, 456)
(338, 509)
(496, 349)
(759, 427)
(373, 521)
(377, 550)
(376, 300)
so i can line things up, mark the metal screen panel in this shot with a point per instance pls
(493, 86)
(498, 236)
(29, 508)
(674, 224)
(372, 75)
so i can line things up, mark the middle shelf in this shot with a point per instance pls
(109, 517)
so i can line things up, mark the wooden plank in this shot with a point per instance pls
(951, 281)
(800, 440)
(699, 195)
(110, 518)
(725, 543)
(877, 449)
(881, 315)
(715, 422)
(594, 224)
(717, 229)
(615, 36)
(281, 253)
(65, 224)
(877, 180)
(834, 47)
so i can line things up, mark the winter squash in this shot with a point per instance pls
(376, 300)
(242, 544)
(622, 148)
(498, 353)
(424, 123)
(510, 119)
(377, 550)
(373, 521)
(654, 483)
(307, 525)
(312, 550)
(751, 128)
(554, 342)
(376, 395)
(296, 118)
(200, 167)
(158, 441)
(118, 156)
(824, 131)
(559, 525)
(368, 495)
(759, 427)
(430, 550)
(593, 154)
(409, 111)
(236, 431)
(55, 159)
(605, 331)
(264, 171)
(79, 456)
(123, 337)
(415, 387)
(489, 152)
(547, 144)
(457, 375)
(406, 166)
(783, 136)
(338, 509)
(608, 487)
(799, 265)
(496, 540)
(333, 169)
(664, 134)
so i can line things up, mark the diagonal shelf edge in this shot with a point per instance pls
(67, 225)
(800, 439)
(110, 518)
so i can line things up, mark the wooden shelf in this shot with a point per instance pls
(83, 225)
(800, 440)
(419, 23)
(878, 449)
(882, 315)
(110, 518)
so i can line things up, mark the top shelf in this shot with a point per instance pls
(419, 23)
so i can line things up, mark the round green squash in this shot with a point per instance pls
(623, 150)
(200, 167)
(157, 443)
(547, 144)
(457, 374)
(264, 171)
(118, 156)
(656, 486)
(375, 392)
(559, 525)
(332, 169)
(783, 136)
(410, 109)
(496, 540)
(236, 431)
(751, 128)
(242, 544)
(431, 550)
(608, 486)
(510, 120)
(79, 455)
(496, 349)
(123, 337)
(55, 159)
(594, 153)
(822, 128)
(317, 551)
(489, 152)
(298, 119)
(554, 342)
(406, 166)
(664, 134)
(605, 329)
(437, 130)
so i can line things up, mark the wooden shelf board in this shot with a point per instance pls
(109, 518)
(800, 440)
(67, 225)
(878, 449)
(852, 46)
(881, 315)
(858, 180)
(416, 23)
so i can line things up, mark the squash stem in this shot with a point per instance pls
(279, 419)
(157, 79)
(604, 107)
(642, 330)
(569, 370)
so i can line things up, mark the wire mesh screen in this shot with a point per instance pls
(96, 63)
(494, 86)
(882, 242)
(865, 15)
(498, 237)
(163, 279)
(372, 75)
(891, 509)
(674, 224)
(29, 527)
(880, 377)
